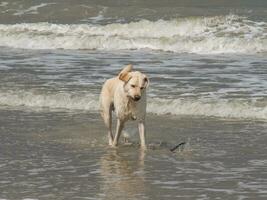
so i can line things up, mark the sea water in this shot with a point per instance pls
(206, 62)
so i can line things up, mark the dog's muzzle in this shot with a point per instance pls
(136, 98)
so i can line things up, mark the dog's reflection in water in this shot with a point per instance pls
(123, 174)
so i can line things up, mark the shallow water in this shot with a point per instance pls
(231, 86)
(206, 62)
(63, 155)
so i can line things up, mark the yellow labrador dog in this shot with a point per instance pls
(124, 94)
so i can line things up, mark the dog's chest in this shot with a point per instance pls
(127, 110)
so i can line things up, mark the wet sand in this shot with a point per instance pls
(61, 155)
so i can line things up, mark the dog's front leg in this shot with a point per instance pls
(142, 134)
(119, 128)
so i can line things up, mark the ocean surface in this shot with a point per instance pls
(207, 65)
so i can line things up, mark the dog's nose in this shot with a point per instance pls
(137, 97)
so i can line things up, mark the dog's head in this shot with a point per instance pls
(135, 82)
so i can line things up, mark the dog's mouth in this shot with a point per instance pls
(136, 98)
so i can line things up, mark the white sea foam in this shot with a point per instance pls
(51, 101)
(32, 9)
(3, 4)
(225, 109)
(89, 102)
(223, 34)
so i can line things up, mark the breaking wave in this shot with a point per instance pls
(221, 34)
(89, 102)
(50, 101)
(224, 109)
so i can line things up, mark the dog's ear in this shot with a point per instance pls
(124, 74)
(146, 82)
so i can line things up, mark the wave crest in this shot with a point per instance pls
(51, 101)
(224, 109)
(222, 34)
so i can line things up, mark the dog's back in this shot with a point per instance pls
(107, 93)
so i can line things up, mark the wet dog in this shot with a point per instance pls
(124, 94)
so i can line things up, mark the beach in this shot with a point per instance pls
(206, 63)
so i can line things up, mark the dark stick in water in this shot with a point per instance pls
(174, 148)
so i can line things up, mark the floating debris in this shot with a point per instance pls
(179, 146)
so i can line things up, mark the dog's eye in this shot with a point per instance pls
(133, 86)
(141, 88)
